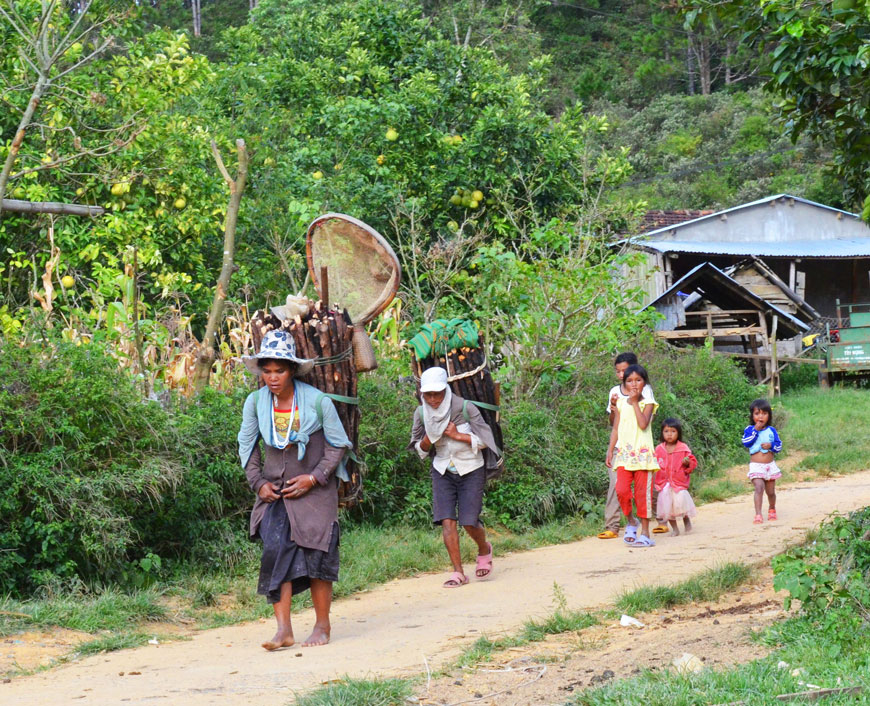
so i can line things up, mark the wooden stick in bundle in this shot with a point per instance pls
(314, 343)
(326, 352)
(261, 324)
(299, 329)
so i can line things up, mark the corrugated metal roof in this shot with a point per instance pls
(742, 206)
(835, 247)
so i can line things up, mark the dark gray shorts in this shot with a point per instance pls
(465, 492)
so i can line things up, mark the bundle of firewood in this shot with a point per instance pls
(469, 377)
(324, 335)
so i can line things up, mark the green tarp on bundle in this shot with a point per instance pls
(442, 336)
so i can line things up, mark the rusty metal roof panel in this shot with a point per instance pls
(835, 247)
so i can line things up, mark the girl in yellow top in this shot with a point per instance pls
(632, 453)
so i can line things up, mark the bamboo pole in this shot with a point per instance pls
(60, 209)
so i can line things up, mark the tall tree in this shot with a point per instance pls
(51, 45)
(814, 55)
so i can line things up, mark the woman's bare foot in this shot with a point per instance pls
(283, 638)
(319, 636)
(687, 525)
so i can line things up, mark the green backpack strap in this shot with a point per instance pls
(318, 408)
(318, 403)
(485, 405)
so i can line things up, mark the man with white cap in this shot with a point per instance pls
(453, 434)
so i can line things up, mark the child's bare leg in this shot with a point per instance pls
(770, 488)
(644, 526)
(687, 524)
(674, 529)
(759, 494)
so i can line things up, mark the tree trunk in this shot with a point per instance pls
(38, 91)
(729, 51)
(690, 66)
(206, 356)
(704, 72)
(196, 9)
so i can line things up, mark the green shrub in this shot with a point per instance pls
(830, 576)
(99, 483)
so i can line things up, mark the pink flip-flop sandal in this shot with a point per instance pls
(455, 580)
(484, 563)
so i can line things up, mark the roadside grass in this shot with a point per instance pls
(359, 692)
(706, 586)
(533, 631)
(832, 426)
(823, 661)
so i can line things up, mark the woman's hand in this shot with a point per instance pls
(299, 486)
(609, 460)
(268, 492)
(451, 432)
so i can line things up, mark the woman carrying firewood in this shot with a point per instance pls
(453, 434)
(296, 510)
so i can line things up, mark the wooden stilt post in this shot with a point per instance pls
(774, 367)
(765, 342)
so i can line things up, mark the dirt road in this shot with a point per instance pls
(397, 628)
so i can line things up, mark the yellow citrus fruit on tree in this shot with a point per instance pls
(119, 189)
(453, 225)
(473, 204)
(180, 203)
(318, 174)
(67, 281)
(391, 134)
(477, 195)
(381, 159)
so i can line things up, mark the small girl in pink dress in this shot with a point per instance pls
(676, 463)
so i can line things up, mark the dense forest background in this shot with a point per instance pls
(501, 147)
(586, 112)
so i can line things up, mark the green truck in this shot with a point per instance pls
(847, 348)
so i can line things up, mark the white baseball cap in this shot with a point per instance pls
(433, 380)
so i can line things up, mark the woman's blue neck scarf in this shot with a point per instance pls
(257, 423)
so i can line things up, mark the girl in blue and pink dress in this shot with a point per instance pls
(762, 442)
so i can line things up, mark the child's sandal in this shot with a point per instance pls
(758, 520)
(771, 515)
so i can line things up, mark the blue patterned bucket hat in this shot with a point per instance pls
(277, 345)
